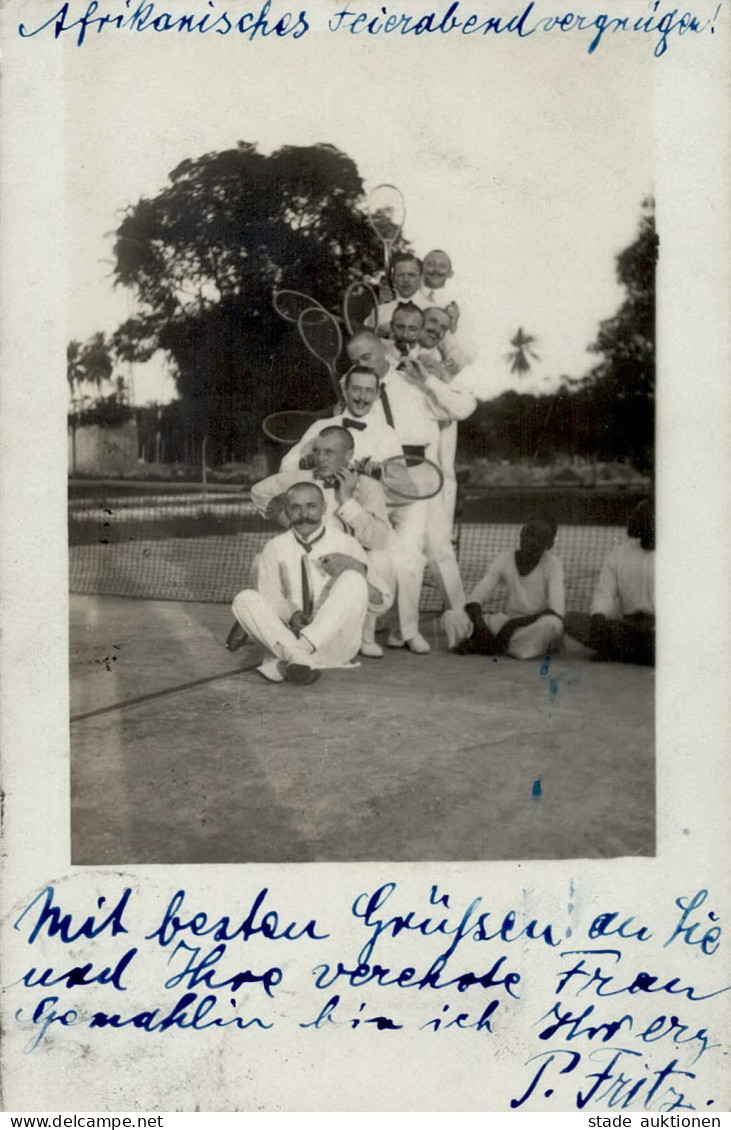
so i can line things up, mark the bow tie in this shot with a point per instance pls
(357, 424)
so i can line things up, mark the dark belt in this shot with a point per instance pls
(414, 449)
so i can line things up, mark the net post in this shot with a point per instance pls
(204, 468)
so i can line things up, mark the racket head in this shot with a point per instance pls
(411, 478)
(386, 215)
(290, 304)
(359, 304)
(321, 335)
(287, 427)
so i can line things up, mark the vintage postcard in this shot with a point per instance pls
(365, 578)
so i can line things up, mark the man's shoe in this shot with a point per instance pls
(371, 649)
(272, 670)
(418, 645)
(237, 637)
(301, 674)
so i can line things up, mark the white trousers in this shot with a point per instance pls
(335, 631)
(423, 534)
(447, 456)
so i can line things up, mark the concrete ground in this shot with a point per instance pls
(181, 753)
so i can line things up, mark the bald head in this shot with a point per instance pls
(437, 269)
(332, 450)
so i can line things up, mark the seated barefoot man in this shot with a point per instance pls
(354, 503)
(533, 624)
(311, 595)
(373, 438)
(621, 626)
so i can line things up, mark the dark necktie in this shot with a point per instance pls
(306, 590)
(357, 424)
(386, 407)
(307, 602)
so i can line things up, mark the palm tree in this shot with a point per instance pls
(74, 366)
(90, 363)
(521, 356)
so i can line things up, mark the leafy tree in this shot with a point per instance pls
(622, 385)
(204, 257)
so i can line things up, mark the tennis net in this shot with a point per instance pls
(189, 546)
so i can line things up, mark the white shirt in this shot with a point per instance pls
(442, 400)
(375, 441)
(279, 573)
(540, 589)
(413, 419)
(440, 296)
(627, 581)
(364, 516)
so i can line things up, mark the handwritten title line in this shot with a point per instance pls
(144, 16)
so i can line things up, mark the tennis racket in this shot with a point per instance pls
(288, 427)
(290, 304)
(360, 304)
(321, 335)
(411, 478)
(386, 215)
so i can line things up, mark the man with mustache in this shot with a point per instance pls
(363, 418)
(406, 278)
(353, 503)
(311, 595)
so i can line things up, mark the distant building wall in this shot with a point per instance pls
(103, 451)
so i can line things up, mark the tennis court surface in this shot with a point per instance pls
(407, 758)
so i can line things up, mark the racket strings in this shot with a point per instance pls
(386, 211)
(288, 427)
(360, 306)
(411, 477)
(321, 334)
(291, 304)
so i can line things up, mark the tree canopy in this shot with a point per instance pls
(204, 257)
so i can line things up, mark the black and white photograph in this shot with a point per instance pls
(425, 345)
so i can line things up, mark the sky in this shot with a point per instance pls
(531, 175)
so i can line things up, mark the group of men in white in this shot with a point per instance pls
(351, 552)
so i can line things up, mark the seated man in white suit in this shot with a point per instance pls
(311, 596)
(354, 503)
